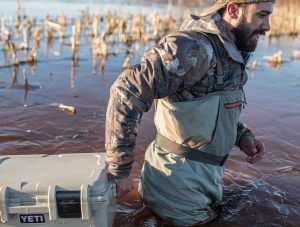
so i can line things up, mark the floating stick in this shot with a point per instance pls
(64, 107)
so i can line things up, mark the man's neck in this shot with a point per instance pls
(228, 23)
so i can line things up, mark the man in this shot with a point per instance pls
(195, 77)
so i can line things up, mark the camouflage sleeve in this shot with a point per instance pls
(242, 131)
(164, 69)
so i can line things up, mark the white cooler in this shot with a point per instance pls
(56, 190)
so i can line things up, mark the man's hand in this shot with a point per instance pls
(253, 148)
(123, 186)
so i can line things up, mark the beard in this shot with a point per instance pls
(246, 39)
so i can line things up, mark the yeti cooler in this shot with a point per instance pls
(56, 190)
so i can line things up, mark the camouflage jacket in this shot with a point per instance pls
(181, 67)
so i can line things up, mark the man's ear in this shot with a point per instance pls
(232, 10)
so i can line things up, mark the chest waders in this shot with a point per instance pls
(183, 167)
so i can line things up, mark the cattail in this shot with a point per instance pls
(17, 21)
(3, 28)
(13, 52)
(61, 19)
(126, 63)
(136, 27)
(170, 24)
(24, 44)
(75, 43)
(146, 38)
(121, 28)
(295, 55)
(102, 63)
(104, 51)
(275, 58)
(253, 65)
(78, 26)
(46, 20)
(95, 26)
(110, 26)
(36, 38)
(48, 29)
(96, 46)
(32, 57)
(53, 25)
(86, 18)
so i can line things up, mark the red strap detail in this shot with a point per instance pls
(233, 105)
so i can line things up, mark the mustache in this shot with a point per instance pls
(241, 31)
(259, 32)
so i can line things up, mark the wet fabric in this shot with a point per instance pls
(172, 187)
(179, 71)
(180, 190)
(180, 68)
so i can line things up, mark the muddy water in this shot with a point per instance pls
(263, 194)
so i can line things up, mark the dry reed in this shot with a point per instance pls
(103, 31)
(285, 19)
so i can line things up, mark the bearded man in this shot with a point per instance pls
(195, 77)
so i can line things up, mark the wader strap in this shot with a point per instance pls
(219, 74)
(189, 153)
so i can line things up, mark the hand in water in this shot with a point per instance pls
(123, 186)
(253, 148)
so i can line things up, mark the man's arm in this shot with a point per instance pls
(246, 141)
(242, 131)
(164, 70)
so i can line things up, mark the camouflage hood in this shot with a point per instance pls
(213, 24)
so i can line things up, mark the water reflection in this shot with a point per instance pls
(14, 77)
(99, 63)
(26, 87)
(72, 72)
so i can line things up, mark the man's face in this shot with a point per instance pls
(253, 22)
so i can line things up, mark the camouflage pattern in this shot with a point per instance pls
(181, 67)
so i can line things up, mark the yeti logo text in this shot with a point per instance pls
(32, 218)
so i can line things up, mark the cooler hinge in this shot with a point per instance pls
(52, 203)
(84, 200)
(3, 204)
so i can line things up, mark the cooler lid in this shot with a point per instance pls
(35, 173)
